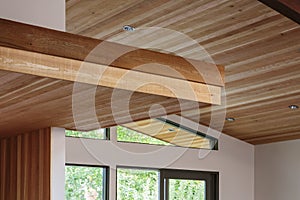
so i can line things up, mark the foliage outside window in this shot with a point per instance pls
(186, 189)
(84, 182)
(128, 135)
(100, 134)
(137, 184)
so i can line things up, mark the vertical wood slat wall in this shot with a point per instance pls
(25, 166)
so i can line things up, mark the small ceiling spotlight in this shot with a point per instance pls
(171, 129)
(128, 28)
(293, 107)
(230, 119)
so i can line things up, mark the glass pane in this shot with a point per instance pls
(95, 134)
(165, 132)
(128, 135)
(137, 184)
(84, 183)
(186, 189)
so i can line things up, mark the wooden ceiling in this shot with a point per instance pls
(53, 78)
(259, 47)
(28, 102)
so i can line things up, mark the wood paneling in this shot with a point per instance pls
(67, 83)
(258, 46)
(25, 166)
(29, 102)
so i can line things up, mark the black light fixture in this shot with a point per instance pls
(293, 107)
(128, 28)
(171, 129)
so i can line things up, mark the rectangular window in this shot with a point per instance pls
(86, 182)
(166, 184)
(162, 131)
(188, 184)
(137, 184)
(100, 134)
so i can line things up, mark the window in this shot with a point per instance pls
(165, 132)
(166, 184)
(137, 184)
(186, 184)
(86, 182)
(128, 135)
(101, 134)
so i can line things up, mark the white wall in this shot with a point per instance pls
(46, 13)
(57, 163)
(277, 171)
(234, 161)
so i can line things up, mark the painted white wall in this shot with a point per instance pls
(46, 13)
(57, 164)
(277, 171)
(234, 160)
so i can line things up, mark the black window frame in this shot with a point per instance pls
(106, 135)
(211, 181)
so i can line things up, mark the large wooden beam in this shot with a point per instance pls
(37, 39)
(52, 78)
(289, 8)
(77, 71)
(48, 53)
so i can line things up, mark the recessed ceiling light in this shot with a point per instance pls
(128, 28)
(293, 107)
(171, 129)
(230, 119)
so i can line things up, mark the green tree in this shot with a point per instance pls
(95, 134)
(186, 189)
(83, 183)
(128, 135)
(137, 184)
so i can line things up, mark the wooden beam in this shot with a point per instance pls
(39, 69)
(55, 43)
(84, 72)
(289, 8)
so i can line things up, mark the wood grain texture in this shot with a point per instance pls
(67, 83)
(55, 43)
(258, 46)
(29, 102)
(293, 4)
(25, 166)
(106, 76)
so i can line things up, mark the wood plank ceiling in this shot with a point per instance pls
(53, 78)
(28, 102)
(259, 48)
